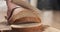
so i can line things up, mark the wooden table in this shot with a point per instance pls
(51, 29)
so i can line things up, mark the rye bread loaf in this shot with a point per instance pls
(25, 16)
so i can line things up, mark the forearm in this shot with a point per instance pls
(27, 5)
(23, 4)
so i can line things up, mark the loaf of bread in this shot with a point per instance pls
(25, 16)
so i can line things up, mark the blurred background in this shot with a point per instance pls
(50, 11)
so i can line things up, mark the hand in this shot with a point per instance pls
(7, 0)
(10, 6)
